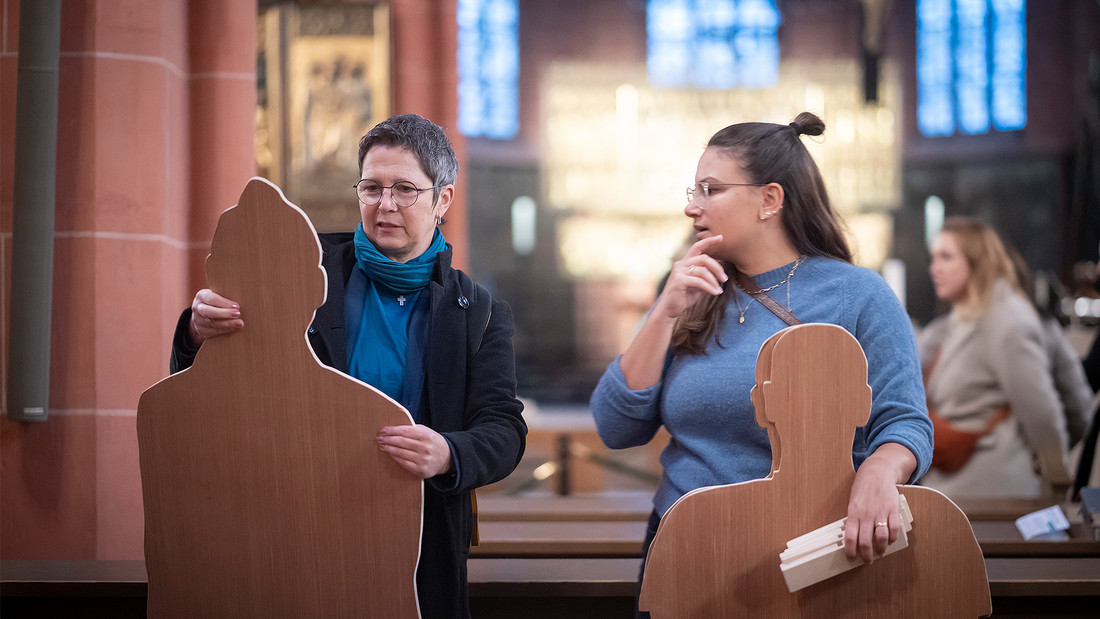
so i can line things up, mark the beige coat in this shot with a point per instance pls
(976, 368)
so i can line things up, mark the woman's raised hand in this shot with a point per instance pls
(695, 275)
(691, 277)
(213, 315)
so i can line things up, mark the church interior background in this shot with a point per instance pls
(577, 123)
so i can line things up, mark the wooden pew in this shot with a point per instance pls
(1008, 577)
(621, 539)
(637, 504)
(1021, 587)
(1007, 508)
(527, 539)
(533, 588)
(999, 538)
(632, 506)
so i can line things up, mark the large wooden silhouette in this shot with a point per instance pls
(716, 552)
(265, 492)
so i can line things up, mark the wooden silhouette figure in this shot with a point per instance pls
(716, 553)
(265, 492)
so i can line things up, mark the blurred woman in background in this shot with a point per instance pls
(1000, 427)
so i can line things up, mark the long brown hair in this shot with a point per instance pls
(771, 153)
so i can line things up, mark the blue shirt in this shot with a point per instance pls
(703, 400)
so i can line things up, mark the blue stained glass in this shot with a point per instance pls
(712, 43)
(717, 14)
(670, 33)
(488, 68)
(760, 14)
(1009, 98)
(670, 20)
(936, 114)
(935, 107)
(716, 66)
(971, 64)
(935, 13)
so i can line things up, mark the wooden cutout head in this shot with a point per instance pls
(804, 400)
(284, 283)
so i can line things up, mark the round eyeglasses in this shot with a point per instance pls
(703, 189)
(403, 193)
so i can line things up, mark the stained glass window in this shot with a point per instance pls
(488, 68)
(712, 43)
(971, 65)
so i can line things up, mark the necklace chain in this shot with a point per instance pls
(786, 280)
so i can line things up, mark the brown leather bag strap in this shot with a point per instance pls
(748, 285)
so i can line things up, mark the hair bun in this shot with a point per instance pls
(807, 123)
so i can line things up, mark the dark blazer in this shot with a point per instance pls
(470, 399)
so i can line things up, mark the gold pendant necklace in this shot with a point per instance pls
(741, 320)
(786, 280)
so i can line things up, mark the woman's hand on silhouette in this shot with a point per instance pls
(213, 315)
(419, 449)
(875, 500)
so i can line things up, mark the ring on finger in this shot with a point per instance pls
(881, 523)
(691, 269)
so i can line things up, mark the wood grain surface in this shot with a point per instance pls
(265, 492)
(716, 553)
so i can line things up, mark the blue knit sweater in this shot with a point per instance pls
(703, 400)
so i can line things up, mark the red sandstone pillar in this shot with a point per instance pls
(154, 141)
(425, 82)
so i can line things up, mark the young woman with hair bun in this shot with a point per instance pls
(759, 208)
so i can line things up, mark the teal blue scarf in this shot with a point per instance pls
(400, 277)
(379, 311)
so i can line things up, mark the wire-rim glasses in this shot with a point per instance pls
(403, 193)
(703, 189)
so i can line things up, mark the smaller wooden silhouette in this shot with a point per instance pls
(716, 552)
(265, 492)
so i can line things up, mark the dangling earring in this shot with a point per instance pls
(439, 221)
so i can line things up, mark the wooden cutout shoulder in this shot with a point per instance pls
(265, 492)
(716, 553)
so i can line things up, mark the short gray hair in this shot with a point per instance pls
(424, 139)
